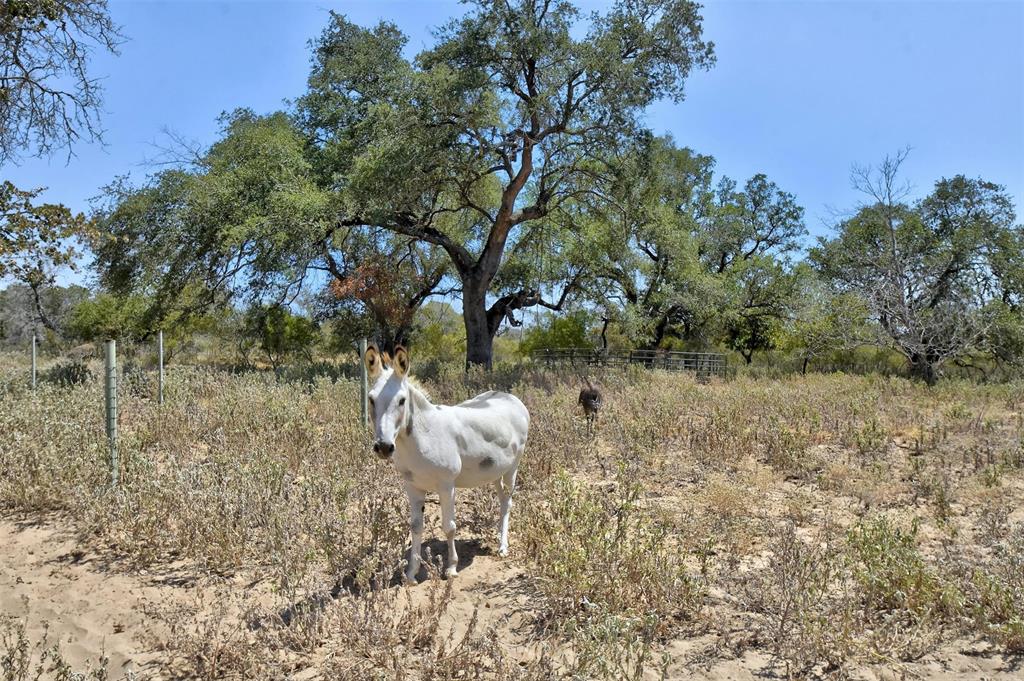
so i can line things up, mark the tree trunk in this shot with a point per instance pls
(40, 313)
(924, 368)
(389, 338)
(659, 333)
(479, 339)
(803, 371)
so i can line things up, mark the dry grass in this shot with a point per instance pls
(838, 522)
(24, 659)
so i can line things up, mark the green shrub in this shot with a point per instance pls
(892, 574)
(997, 595)
(68, 374)
(611, 555)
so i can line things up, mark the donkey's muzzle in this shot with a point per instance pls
(384, 449)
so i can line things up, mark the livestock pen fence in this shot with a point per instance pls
(703, 364)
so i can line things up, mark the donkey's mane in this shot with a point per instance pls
(415, 383)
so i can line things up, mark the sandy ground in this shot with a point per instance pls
(95, 606)
(91, 606)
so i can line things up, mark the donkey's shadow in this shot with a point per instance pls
(435, 552)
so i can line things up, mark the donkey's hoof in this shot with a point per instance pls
(503, 552)
(410, 580)
(451, 572)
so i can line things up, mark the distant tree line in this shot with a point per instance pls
(506, 167)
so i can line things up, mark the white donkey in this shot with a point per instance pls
(438, 448)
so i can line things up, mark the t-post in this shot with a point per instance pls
(160, 366)
(33, 360)
(110, 392)
(364, 390)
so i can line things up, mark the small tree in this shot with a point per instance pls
(825, 322)
(762, 293)
(439, 333)
(106, 316)
(929, 271)
(281, 334)
(35, 242)
(564, 331)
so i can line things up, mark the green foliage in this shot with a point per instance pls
(281, 334)
(1004, 340)
(558, 331)
(446, 148)
(439, 334)
(763, 292)
(34, 238)
(107, 316)
(68, 374)
(696, 262)
(892, 574)
(247, 218)
(825, 323)
(929, 271)
(430, 164)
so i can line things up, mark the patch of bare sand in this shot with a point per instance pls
(92, 608)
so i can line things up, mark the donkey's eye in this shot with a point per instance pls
(401, 402)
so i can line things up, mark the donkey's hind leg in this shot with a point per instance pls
(505, 485)
(447, 496)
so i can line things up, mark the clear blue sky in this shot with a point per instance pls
(801, 90)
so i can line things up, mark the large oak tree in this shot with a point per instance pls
(483, 139)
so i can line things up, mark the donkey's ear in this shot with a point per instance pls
(401, 361)
(372, 359)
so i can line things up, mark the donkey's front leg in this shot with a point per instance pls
(447, 495)
(417, 498)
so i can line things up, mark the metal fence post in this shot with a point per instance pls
(160, 366)
(110, 391)
(364, 390)
(33, 360)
